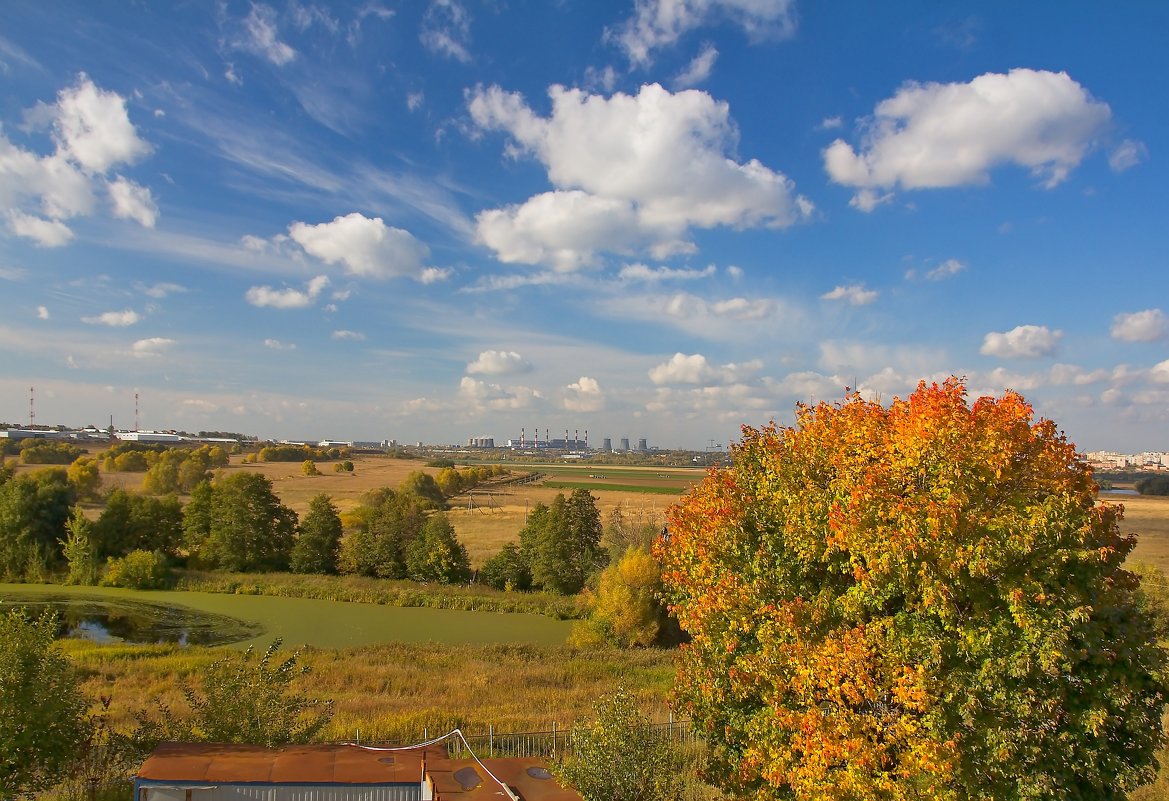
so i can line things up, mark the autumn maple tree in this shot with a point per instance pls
(918, 601)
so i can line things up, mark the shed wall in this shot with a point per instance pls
(268, 792)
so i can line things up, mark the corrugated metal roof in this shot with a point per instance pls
(293, 764)
(464, 780)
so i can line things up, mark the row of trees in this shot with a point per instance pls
(182, 469)
(235, 523)
(43, 451)
(295, 453)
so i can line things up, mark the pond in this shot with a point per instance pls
(125, 620)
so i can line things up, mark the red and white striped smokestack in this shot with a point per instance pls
(521, 436)
(586, 439)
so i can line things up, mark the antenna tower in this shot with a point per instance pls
(32, 409)
(135, 411)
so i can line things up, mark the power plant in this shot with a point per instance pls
(574, 440)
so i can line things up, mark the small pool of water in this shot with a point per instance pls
(121, 620)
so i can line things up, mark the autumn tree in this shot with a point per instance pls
(319, 539)
(625, 609)
(85, 477)
(423, 486)
(915, 602)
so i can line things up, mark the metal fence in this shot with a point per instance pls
(556, 741)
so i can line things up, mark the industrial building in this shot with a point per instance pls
(148, 436)
(220, 772)
(34, 433)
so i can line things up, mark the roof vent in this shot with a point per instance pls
(468, 778)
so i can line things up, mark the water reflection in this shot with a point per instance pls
(119, 620)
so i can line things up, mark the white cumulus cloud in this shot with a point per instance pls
(630, 172)
(481, 395)
(855, 294)
(695, 369)
(288, 297)
(365, 247)
(92, 134)
(133, 202)
(114, 319)
(1149, 325)
(584, 395)
(1021, 342)
(1160, 372)
(354, 336)
(660, 23)
(561, 229)
(92, 128)
(42, 313)
(432, 275)
(944, 135)
(149, 348)
(498, 362)
(276, 344)
(46, 233)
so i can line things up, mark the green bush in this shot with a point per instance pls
(1153, 485)
(138, 570)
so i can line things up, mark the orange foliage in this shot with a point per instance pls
(915, 602)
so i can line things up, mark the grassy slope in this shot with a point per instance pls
(395, 690)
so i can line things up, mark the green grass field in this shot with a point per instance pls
(334, 624)
(600, 487)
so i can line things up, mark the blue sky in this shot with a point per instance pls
(654, 218)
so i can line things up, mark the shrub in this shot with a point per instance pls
(138, 570)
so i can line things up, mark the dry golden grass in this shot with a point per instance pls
(396, 691)
(1146, 516)
(296, 489)
(498, 514)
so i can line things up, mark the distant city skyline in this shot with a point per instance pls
(437, 220)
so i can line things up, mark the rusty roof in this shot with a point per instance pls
(464, 780)
(293, 764)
